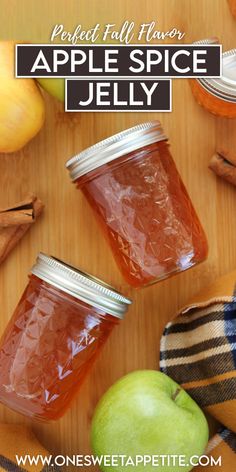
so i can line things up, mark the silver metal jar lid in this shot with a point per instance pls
(113, 147)
(80, 285)
(206, 41)
(224, 87)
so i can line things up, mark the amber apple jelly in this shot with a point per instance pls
(59, 326)
(232, 6)
(218, 95)
(140, 201)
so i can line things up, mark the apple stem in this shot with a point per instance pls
(176, 393)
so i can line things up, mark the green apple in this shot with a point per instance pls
(54, 86)
(147, 413)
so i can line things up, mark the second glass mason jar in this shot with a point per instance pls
(58, 328)
(140, 201)
(218, 95)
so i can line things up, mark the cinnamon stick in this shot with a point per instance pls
(223, 163)
(15, 222)
(16, 217)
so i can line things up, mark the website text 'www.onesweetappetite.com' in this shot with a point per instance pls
(158, 460)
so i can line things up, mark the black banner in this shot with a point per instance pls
(119, 95)
(118, 61)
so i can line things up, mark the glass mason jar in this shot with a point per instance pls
(138, 197)
(232, 6)
(58, 328)
(218, 95)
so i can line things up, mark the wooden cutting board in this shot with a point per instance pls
(68, 229)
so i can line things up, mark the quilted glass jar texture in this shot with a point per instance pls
(48, 348)
(141, 204)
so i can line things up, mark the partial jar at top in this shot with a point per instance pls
(232, 6)
(141, 203)
(218, 95)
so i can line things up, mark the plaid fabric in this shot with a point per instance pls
(7, 465)
(198, 350)
(222, 444)
(20, 440)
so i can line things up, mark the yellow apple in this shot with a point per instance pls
(22, 108)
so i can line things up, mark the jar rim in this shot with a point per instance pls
(80, 285)
(113, 147)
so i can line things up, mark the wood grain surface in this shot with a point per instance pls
(68, 229)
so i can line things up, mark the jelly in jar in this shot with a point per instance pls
(141, 204)
(59, 326)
